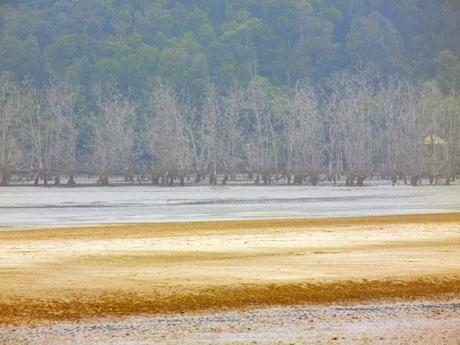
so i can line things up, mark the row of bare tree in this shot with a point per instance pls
(357, 129)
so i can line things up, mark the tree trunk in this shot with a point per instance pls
(5, 172)
(224, 180)
(298, 179)
(265, 179)
(197, 177)
(394, 179)
(5, 177)
(350, 181)
(164, 179)
(104, 180)
(314, 180)
(360, 181)
(71, 182)
(414, 180)
(211, 177)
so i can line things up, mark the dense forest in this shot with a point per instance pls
(131, 43)
(280, 90)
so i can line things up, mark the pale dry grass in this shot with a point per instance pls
(72, 273)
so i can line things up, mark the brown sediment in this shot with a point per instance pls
(119, 270)
(26, 310)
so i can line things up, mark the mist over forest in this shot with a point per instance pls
(199, 91)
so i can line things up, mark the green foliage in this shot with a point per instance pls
(184, 63)
(130, 44)
(447, 71)
(374, 41)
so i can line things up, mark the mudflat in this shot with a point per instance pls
(50, 207)
(420, 322)
(75, 273)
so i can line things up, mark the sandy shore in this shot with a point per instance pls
(114, 271)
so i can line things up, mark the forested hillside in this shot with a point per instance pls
(266, 87)
(128, 44)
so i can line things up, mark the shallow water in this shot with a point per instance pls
(39, 206)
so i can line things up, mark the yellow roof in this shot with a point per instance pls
(434, 140)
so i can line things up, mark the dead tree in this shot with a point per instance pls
(261, 149)
(212, 135)
(351, 128)
(113, 136)
(452, 134)
(231, 133)
(39, 127)
(170, 140)
(60, 100)
(393, 101)
(303, 137)
(11, 132)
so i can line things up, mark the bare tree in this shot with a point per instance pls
(359, 129)
(231, 135)
(11, 103)
(261, 144)
(432, 121)
(452, 134)
(335, 134)
(39, 129)
(412, 115)
(303, 136)
(169, 136)
(351, 128)
(211, 134)
(393, 101)
(113, 136)
(60, 100)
